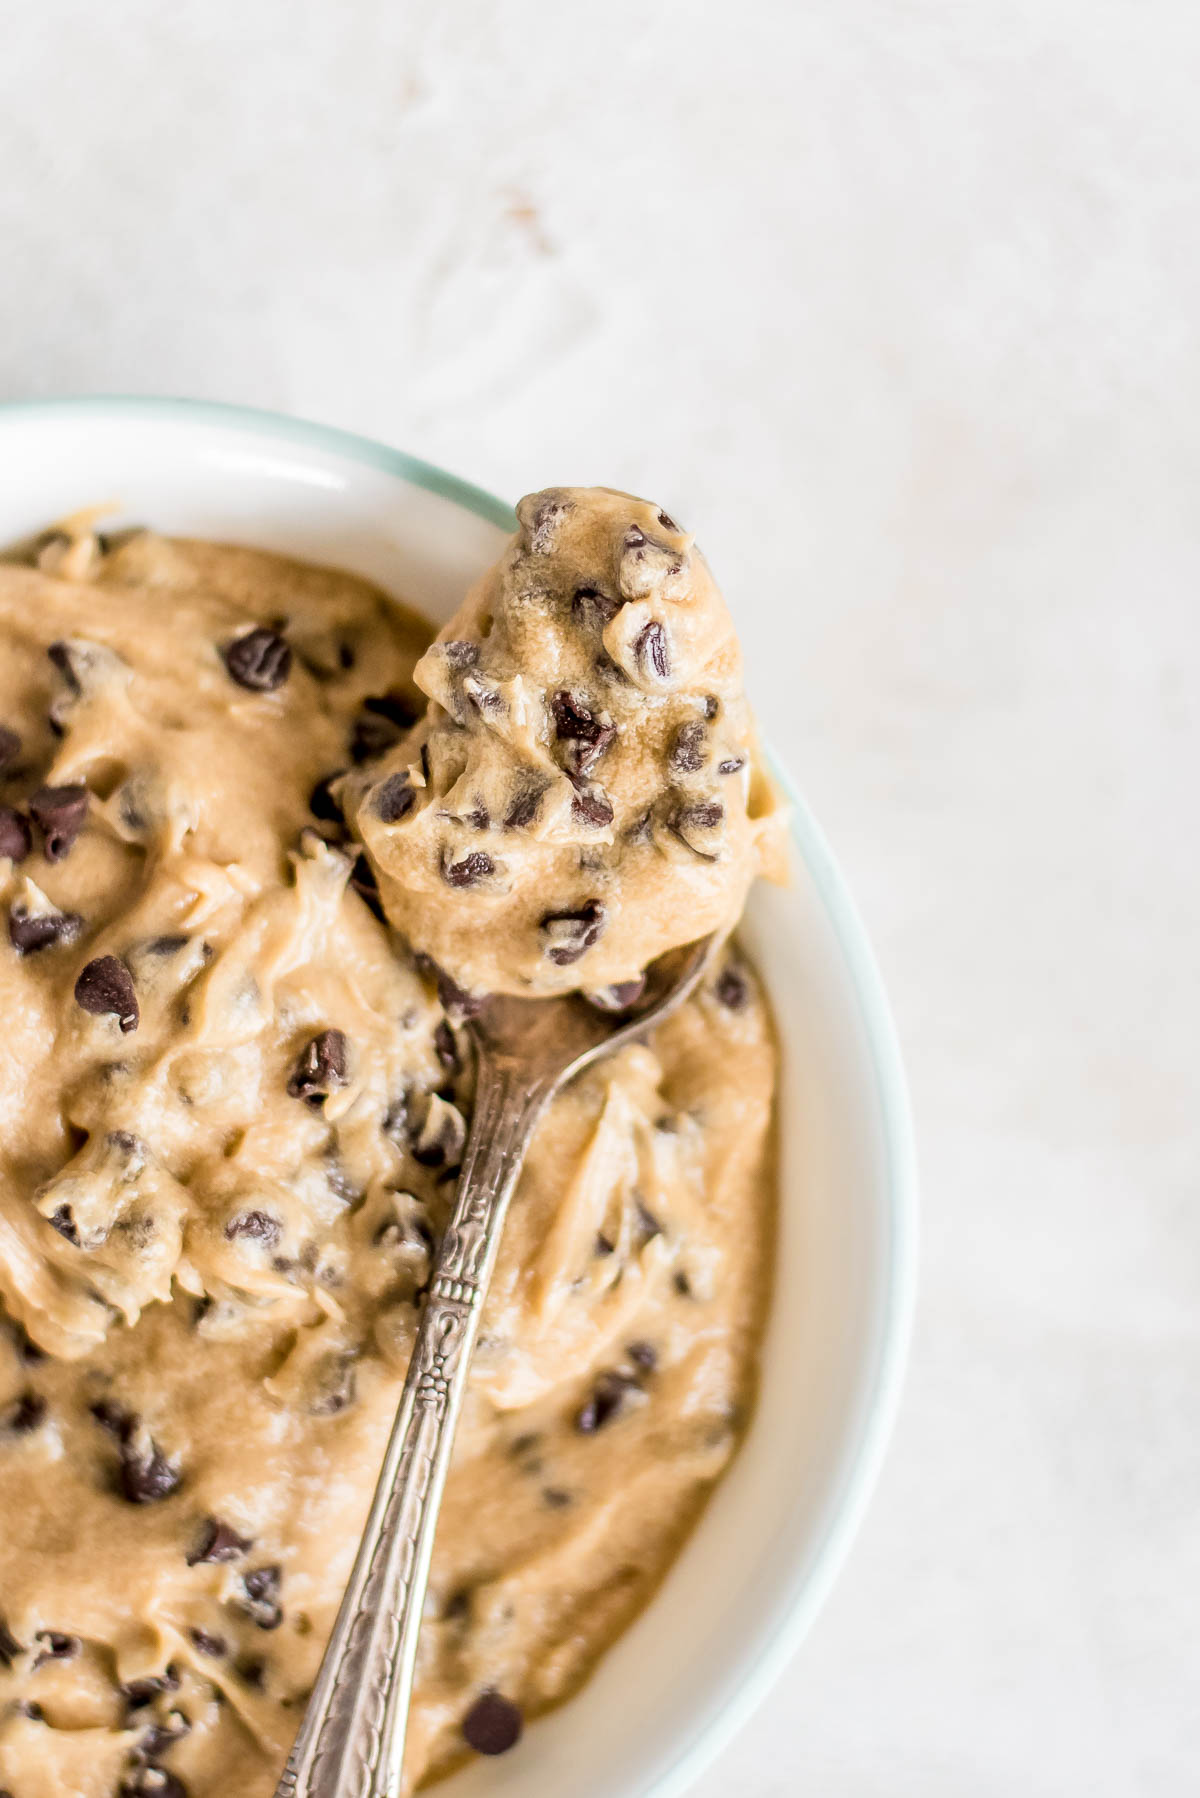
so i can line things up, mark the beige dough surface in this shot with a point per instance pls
(585, 790)
(231, 1112)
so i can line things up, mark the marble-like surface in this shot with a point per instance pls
(896, 304)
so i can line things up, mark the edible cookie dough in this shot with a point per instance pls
(585, 790)
(232, 1110)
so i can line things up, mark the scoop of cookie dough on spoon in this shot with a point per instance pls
(586, 790)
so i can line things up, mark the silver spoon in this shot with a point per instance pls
(351, 1742)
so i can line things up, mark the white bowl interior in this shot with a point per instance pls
(754, 1572)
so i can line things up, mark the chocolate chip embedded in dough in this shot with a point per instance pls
(393, 799)
(705, 816)
(322, 803)
(653, 652)
(525, 806)
(593, 609)
(260, 1600)
(555, 1497)
(29, 932)
(604, 1245)
(568, 934)
(443, 1136)
(24, 1415)
(540, 515)
(54, 1645)
(205, 1643)
(162, 1734)
(469, 870)
(105, 987)
(320, 1069)
(260, 661)
(218, 1542)
(592, 808)
(585, 734)
(732, 989)
(16, 839)
(251, 1669)
(460, 654)
(364, 883)
(138, 1693)
(643, 1355)
(59, 813)
(257, 1226)
(147, 1477)
(688, 749)
(10, 1648)
(63, 1221)
(394, 707)
(608, 1395)
(10, 746)
(493, 1724)
(668, 523)
(648, 1225)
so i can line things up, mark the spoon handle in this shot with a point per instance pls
(351, 1743)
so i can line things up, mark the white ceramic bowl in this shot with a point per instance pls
(752, 1577)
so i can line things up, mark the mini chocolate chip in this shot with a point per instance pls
(16, 838)
(138, 1693)
(362, 879)
(705, 816)
(585, 735)
(59, 813)
(667, 522)
(457, 1607)
(218, 1542)
(461, 654)
(492, 1725)
(525, 1444)
(569, 933)
(60, 654)
(731, 764)
(260, 661)
(259, 1226)
(167, 945)
(682, 1285)
(555, 1497)
(594, 809)
(393, 799)
(204, 1643)
(392, 706)
(446, 1047)
(251, 1669)
(30, 933)
(643, 1355)
(457, 1004)
(321, 802)
(10, 1648)
(608, 1395)
(604, 1246)
(147, 1477)
(25, 1708)
(320, 1068)
(688, 749)
(26, 1348)
(24, 1415)
(619, 997)
(477, 818)
(372, 736)
(732, 989)
(593, 609)
(442, 1138)
(10, 746)
(159, 1736)
(469, 871)
(524, 808)
(55, 1646)
(63, 1220)
(712, 706)
(105, 987)
(261, 1601)
(652, 652)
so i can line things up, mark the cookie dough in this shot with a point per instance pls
(232, 1109)
(585, 790)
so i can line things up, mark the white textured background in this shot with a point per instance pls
(896, 303)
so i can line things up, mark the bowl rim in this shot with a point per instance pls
(810, 1584)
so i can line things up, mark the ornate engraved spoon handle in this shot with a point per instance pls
(351, 1744)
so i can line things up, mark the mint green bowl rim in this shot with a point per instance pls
(824, 1558)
